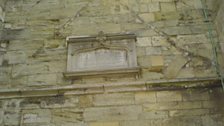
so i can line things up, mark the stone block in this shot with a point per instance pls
(2, 15)
(209, 104)
(140, 51)
(166, 7)
(144, 41)
(60, 116)
(109, 28)
(166, 17)
(157, 63)
(104, 124)
(159, 106)
(162, 0)
(191, 112)
(36, 116)
(147, 17)
(1, 59)
(85, 101)
(186, 73)
(212, 120)
(25, 45)
(42, 79)
(143, 8)
(178, 30)
(19, 70)
(1, 116)
(147, 75)
(190, 39)
(145, 97)
(153, 50)
(144, 1)
(175, 66)
(188, 4)
(154, 115)
(167, 96)
(177, 121)
(59, 102)
(144, 61)
(16, 57)
(113, 99)
(195, 95)
(11, 118)
(159, 41)
(128, 27)
(154, 7)
(135, 123)
(112, 113)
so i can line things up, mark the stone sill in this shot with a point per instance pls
(74, 75)
(84, 89)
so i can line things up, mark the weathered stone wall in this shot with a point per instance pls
(172, 43)
(201, 107)
(172, 37)
(219, 23)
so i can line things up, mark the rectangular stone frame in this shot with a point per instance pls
(118, 46)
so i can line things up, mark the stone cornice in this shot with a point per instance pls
(83, 89)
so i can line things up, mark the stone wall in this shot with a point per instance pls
(196, 107)
(172, 46)
(172, 38)
(219, 23)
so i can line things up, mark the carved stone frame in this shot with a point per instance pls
(123, 44)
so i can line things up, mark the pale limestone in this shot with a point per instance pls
(2, 14)
(187, 4)
(165, 96)
(154, 7)
(11, 118)
(175, 66)
(166, 7)
(172, 106)
(157, 63)
(153, 51)
(144, 61)
(16, 57)
(144, 1)
(148, 75)
(42, 79)
(194, 96)
(113, 99)
(144, 41)
(135, 123)
(1, 115)
(147, 17)
(154, 115)
(192, 112)
(66, 115)
(85, 101)
(32, 29)
(162, 0)
(112, 113)
(159, 41)
(145, 97)
(104, 124)
(36, 116)
(143, 8)
(190, 39)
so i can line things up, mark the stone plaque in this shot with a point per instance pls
(101, 54)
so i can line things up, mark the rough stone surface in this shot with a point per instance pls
(172, 43)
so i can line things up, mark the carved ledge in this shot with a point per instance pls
(73, 75)
(72, 39)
